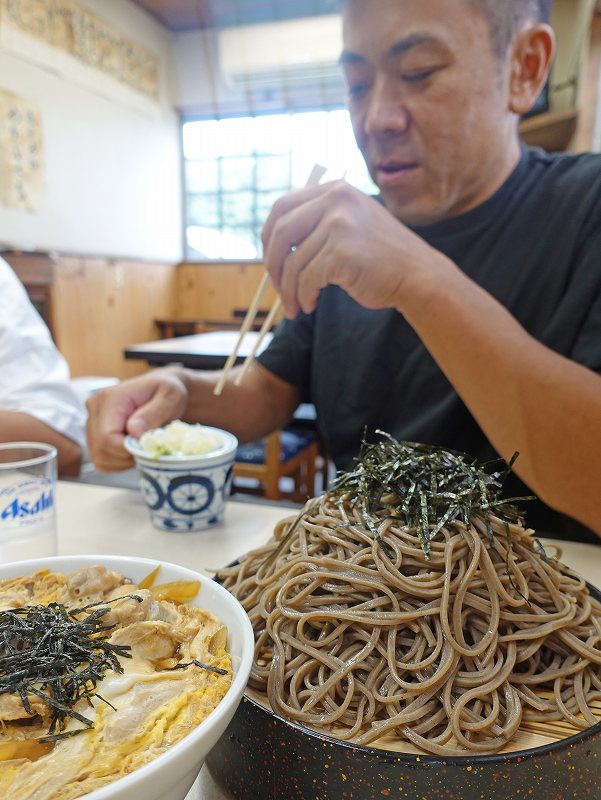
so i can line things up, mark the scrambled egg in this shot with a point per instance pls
(149, 707)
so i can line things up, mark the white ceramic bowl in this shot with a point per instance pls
(170, 776)
(186, 493)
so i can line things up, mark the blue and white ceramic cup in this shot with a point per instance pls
(186, 493)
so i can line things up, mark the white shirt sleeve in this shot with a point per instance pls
(34, 376)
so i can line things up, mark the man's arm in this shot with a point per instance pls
(261, 404)
(524, 396)
(17, 426)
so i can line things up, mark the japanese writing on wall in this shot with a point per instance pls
(75, 30)
(21, 153)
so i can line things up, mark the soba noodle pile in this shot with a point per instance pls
(372, 618)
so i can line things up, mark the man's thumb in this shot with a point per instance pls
(167, 402)
(137, 424)
(156, 412)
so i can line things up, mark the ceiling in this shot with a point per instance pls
(185, 15)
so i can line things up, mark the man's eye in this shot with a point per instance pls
(357, 90)
(419, 76)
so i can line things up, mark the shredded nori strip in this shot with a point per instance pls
(59, 655)
(202, 665)
(424, 487)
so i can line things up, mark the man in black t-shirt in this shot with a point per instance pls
(464, 309)
(535, 246)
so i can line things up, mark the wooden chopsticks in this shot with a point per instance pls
(246, 325)
(266, 326)
(316, 175)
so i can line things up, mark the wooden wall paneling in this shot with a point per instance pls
(151, 293)
(100, 306)
(36, 273)
(75, 301)
(212, 290)
(590, 93)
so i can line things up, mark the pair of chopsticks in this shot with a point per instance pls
(316, 175)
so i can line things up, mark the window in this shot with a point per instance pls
(235, 169)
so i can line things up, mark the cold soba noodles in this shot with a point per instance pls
(410, 603)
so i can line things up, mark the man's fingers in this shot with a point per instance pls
(284, 205)
(295, 267)
(136, 425)
(131, 407)
(113, 457)
(166, 404)
(292, 219)
(314, 277)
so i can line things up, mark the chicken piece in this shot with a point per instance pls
(128, 610)
(132, 610)
(210, 640)
(11, 707)
(166, 612)
(151, 640)
(95, 580)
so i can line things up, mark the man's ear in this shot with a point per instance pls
(531, 54)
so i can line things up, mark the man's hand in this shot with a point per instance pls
(335, 234)
(132, 407)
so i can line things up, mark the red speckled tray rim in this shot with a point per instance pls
(427, 758)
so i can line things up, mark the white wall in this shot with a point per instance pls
(204, 90)
(112, 173)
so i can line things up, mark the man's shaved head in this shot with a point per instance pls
(506, 17)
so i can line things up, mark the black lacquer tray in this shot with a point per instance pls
(263, 756)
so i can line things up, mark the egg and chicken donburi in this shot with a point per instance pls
(98, 676)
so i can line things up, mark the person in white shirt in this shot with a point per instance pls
(37, 402)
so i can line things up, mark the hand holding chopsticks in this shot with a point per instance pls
(316, 175)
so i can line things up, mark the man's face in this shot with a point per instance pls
(428, 103)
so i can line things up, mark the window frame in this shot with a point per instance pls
(257, 219)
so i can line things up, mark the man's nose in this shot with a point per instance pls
(387, 112)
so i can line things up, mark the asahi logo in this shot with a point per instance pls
(28, 501)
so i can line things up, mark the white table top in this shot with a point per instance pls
(102, 519)
(212, 343)
(110, 520)
(199, 350)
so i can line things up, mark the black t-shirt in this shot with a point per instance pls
(535, 246)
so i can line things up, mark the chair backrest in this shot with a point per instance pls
(240, 313)
(283, 453)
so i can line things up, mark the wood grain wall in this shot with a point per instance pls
(213, 290)
(99, 306)
(584, 139)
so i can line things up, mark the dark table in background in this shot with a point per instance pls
(185, 326)
(199, 351)
(209, 351)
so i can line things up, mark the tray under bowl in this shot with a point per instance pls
(262, 755)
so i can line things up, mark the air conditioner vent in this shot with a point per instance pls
(282, 54)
